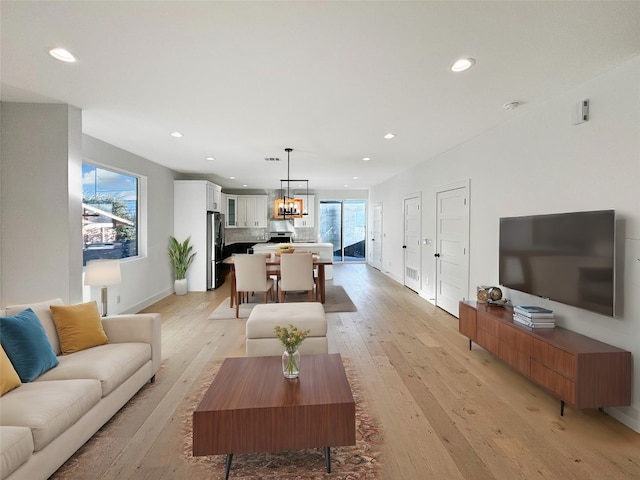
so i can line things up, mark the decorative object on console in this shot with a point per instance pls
(490, 295)
(482, 293)
(287, 206)
(533, 316)
(291, 339)
(102, 273)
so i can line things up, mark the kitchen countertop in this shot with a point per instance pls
(251, 242)
(298, 244)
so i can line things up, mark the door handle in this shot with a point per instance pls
(436, 255)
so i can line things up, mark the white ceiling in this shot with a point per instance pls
(244, 80)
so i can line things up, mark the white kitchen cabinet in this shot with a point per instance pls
(191, 201)
(203, 195)
(261, 212)
(231, 211)
(252, 211)
(214, 197)
(308, 220)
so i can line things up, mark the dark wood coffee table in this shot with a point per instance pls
(251, 407)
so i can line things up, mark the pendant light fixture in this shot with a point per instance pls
(287, 205)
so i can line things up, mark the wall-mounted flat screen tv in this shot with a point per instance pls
(567, 257)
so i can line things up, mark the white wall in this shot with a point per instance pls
(149, 277)
(40, 206)
(537, 163)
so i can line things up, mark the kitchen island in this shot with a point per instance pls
(324, 250)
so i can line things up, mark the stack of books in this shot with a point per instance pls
(533, 316)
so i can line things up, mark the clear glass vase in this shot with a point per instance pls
(291, 362)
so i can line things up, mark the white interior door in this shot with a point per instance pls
(376, 237)
(412, 242)
(452, 247)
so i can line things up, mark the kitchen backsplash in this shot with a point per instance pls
(235, 235)
(305, 235)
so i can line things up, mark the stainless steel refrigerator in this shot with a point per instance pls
(215, 244)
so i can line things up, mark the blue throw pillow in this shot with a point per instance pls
(26, 344)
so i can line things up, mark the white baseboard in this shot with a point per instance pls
(149, 301)
(629, 416)
(396, 278)
(427, 296)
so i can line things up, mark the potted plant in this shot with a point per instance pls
(181, 256)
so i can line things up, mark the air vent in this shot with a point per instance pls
(411, 273)
(271, 159)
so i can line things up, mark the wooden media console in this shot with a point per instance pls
(579, 370)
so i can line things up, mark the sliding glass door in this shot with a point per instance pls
(343, 223)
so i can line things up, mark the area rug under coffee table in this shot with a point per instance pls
(347, 463)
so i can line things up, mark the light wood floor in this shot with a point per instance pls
(446, 412)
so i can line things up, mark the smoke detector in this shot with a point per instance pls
(511, 105)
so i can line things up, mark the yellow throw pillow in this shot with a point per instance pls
(9, 378)
(79, 327)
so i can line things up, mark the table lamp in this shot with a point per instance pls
(102, 273)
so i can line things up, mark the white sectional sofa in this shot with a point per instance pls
(43, 422)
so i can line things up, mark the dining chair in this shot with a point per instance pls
(251, 276)
(315, 272)
(273, 271)
(296, 274)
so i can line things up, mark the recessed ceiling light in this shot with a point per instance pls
(355, 178)
(211, 159)
(345, 185)
(245, 185)
(232, 178)
(63, 55)
(390, 135)
(366, 159)
(462, 64)
(176, 134)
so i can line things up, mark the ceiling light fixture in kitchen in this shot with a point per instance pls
(287, 205)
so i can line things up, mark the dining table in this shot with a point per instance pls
(273, 260)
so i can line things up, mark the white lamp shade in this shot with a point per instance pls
(101, 273)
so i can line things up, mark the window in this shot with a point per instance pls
(343, 223)
(110, 203)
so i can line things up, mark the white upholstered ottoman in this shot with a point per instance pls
(261, 339)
